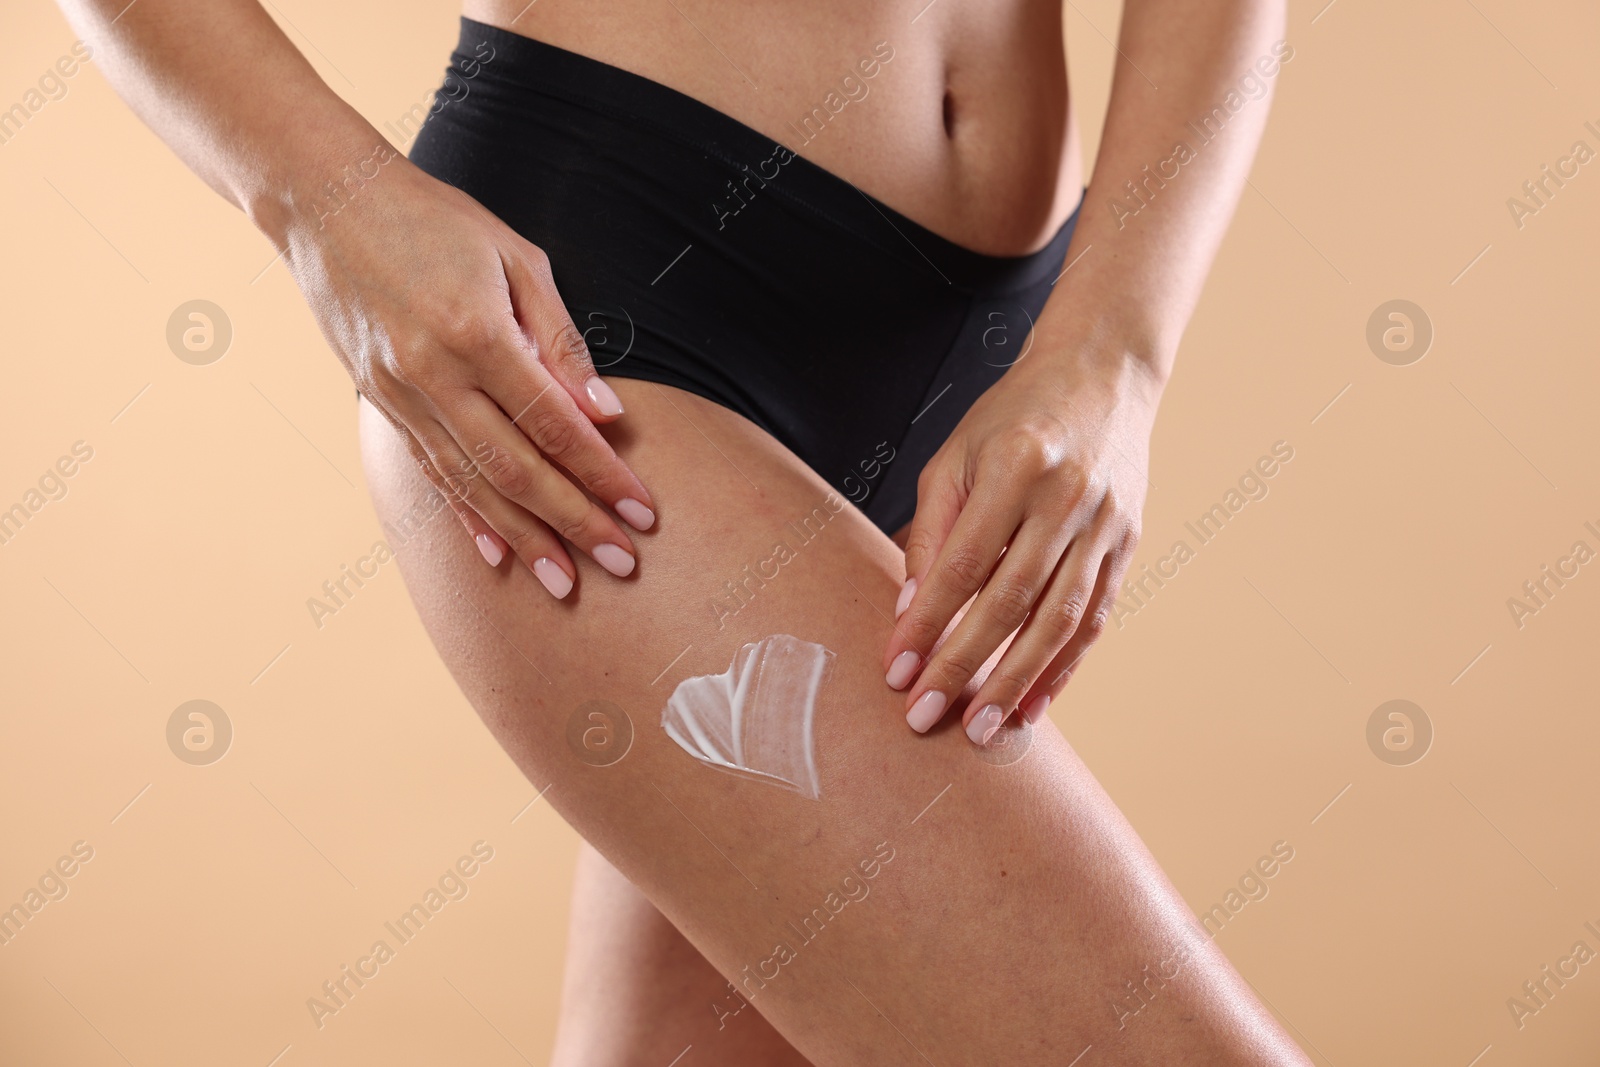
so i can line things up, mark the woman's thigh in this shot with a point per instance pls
(636, 992)
(930, 903)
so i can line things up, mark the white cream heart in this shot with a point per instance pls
(755, 717)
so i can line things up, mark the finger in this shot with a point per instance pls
(1002, 605)
(941, 491)
(974, 544)
(459, 480)
(544, 412)
(490, 544)
(560, 344)
(556, 354)
(515, 470)
(1092, 623)
(1056, 617)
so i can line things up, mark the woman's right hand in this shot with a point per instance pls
(450, 324)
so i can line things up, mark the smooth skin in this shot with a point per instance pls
(1016, 903)
(634, 987)
(452, 326)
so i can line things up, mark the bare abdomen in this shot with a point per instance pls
(956, 114)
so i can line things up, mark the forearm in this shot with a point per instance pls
(227, 91)
(1188, 106)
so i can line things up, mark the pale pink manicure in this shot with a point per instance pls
(900, 671)
(926, 711)
(614, 559)
(1036, 708)
(985, 723)
(491, 551)
(907, 591)
(635, 514)
(601, 396)
(552, 577)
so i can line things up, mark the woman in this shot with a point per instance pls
(820, 252)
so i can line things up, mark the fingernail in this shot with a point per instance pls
(601, 396)
(614, 559)
(491, 551)
(635, 514)
(901, 670)
(552, 577)
(926, 711)
(985, 723)
(1036, 708)
(907, 591)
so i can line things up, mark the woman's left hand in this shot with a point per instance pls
(1033, 504)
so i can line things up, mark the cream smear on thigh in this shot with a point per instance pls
(755, 717)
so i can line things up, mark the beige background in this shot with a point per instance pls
(1224, 716)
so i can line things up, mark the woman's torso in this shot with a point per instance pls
(965, 126)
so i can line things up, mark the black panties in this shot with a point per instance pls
(695, 252)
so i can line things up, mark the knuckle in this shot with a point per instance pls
(1034, 448)
(1119, 555)
(1063, 617)
(956, 665)
(922, 627)
(1073, 493)
(1009, 603)
(538, 261)
(526, 541)
(964, 567)
(1008, 684)
(553, 431)
(919, 629)
(570, 348)
(463, 331)
(505, 472)
(920, 544)
(412, 367)
(1093, 625)
(1026, 453)
(458, 489)
(574, 528)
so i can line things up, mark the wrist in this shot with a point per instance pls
(1124, 362)
(310, 179)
